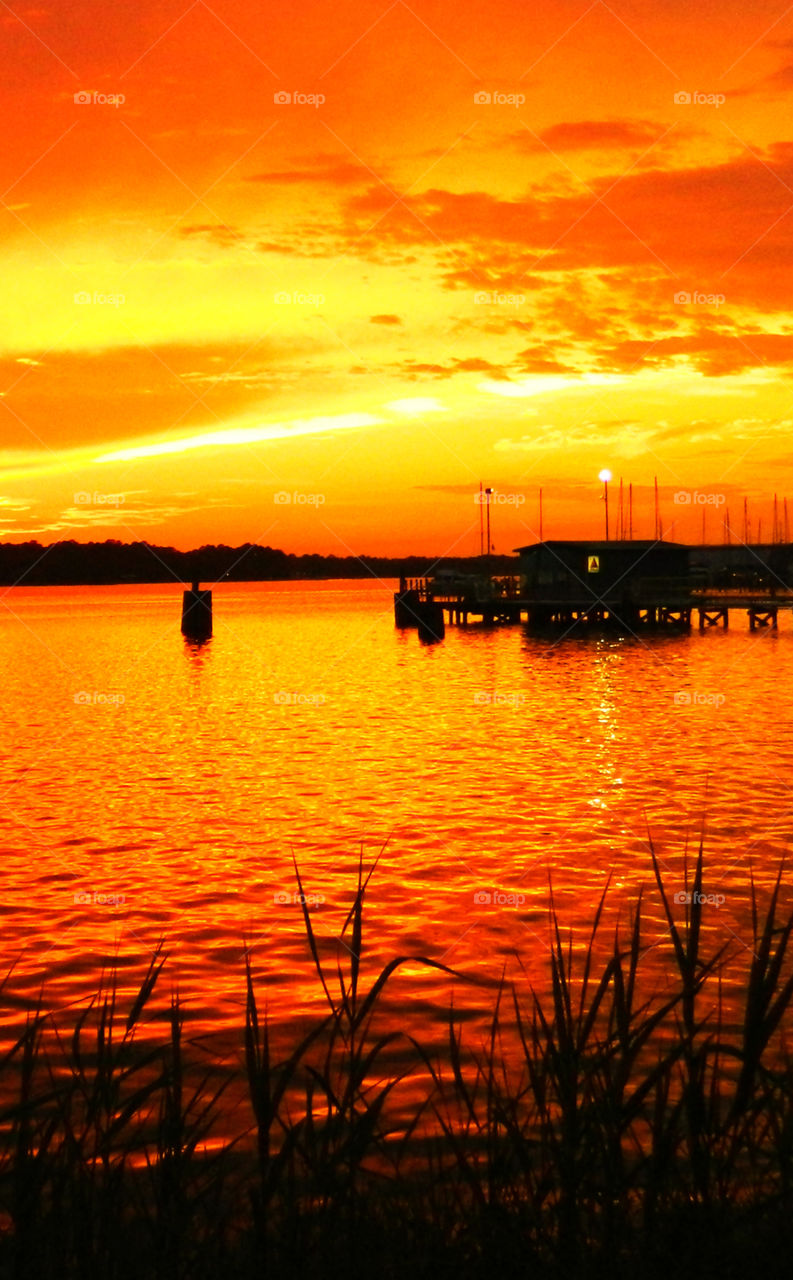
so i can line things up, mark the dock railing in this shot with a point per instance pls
(471, 588)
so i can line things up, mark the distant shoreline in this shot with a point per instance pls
(112, 563)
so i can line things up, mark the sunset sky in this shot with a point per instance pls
(494, 242)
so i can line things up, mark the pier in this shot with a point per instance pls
(632, 586)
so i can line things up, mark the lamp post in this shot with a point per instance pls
(487, 495)
(605, 476)
(481, 521)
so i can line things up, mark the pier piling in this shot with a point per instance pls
(196, 613)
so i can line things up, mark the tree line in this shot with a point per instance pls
(71, 563)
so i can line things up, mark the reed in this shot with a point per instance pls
(604, 1126)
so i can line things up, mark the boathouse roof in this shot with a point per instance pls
(600, 544)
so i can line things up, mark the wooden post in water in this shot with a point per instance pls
(196, 613)
(431, 625)
(406, 606)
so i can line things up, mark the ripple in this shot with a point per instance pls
(192, 802)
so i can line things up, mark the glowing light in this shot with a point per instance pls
(416, 404)
(605, 475)
(243, 435)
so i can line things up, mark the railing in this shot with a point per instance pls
(639, 591)
(479, 589)
(745, 593)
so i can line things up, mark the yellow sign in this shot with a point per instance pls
(593, 564)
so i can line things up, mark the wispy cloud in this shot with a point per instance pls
(234, 436)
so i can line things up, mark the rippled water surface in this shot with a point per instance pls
(153, 788)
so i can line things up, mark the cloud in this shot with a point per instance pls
(716, 353)
(590, 135)
(537, 360)
(217, 232)
(416, 405)
(689, 227)
(329, 171)
(233, 436)
(414, 369)
(385, 319)
(781, 78)
(627, 440)
(541, 385)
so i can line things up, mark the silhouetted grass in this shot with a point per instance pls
(603, 1128)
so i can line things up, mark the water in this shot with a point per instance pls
(152, 788)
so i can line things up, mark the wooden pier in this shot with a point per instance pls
(626, 586)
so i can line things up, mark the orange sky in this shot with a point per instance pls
(373, 297)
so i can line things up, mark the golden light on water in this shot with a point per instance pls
(380, 258)
(480, 771)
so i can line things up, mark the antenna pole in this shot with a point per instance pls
(481, 523)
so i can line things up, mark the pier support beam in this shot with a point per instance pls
(678, 618)
(762, 618)
(714, 617)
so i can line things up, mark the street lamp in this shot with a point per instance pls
(605, 476)
(487, 495)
